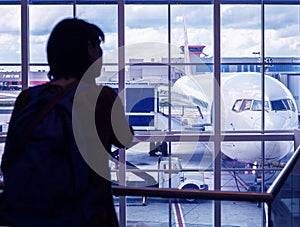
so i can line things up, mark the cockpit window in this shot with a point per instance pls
(278, 105)
(283, 105)
(237, 105)
(256, 105)
(246, 105)
(249, 104)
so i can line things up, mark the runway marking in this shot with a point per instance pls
(179, 219)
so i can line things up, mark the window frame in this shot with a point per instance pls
(218, 136)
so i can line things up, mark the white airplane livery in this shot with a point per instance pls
(241, 106)
(241, 110)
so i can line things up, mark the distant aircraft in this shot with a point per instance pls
(241, 106)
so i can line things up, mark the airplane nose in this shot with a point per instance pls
(274, 121)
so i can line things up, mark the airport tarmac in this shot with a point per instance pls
(157, 212)
(160, 212)
(164, 212)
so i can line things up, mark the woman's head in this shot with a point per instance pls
(69, 48)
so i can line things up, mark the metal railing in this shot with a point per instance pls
(261, 197)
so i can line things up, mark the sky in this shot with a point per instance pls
(146, 29)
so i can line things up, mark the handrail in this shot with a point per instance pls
(284, 174)
(214, 195)
(192, 194)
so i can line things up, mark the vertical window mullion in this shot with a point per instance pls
(121, 87)
(263, 97)
(24, 43)
(217, 109)
(74, 8)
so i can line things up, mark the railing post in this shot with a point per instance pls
(296, 138)
(269, 218)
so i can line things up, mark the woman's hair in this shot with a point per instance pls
(67, 48)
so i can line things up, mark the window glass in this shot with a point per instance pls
(104, 16)
(256, 105)
(278, 105)
(240, 30)
(192, 24)
(10, 60)
(191, 70)
(246, 104)
(237, 105)
(146, 72)
(282, 32)
(267, 106)
(283, 104)
(10, 35)
(291, 105)
(41, 26)
(240, 46)
(146, 33)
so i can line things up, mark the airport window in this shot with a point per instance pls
(174, 98)
(10, 38)
(105, 16)
(40, 28)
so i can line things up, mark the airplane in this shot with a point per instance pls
(241, 109)
(242, 98)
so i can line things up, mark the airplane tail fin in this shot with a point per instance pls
(186, 50)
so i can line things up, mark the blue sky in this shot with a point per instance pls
(240, 28)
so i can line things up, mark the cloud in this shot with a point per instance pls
(38, 49)
(240, 27)
(239, 42)
(288, 31)
(10, 19)
(137, 16)
(10, 48)
(241, 17)
(150, 34)
(280, 16)
(105, 16)
(280, 45)
(199, 16)
(42, 25)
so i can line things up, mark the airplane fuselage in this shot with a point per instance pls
(241, 111)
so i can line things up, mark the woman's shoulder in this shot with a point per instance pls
(108, 91)
(107, 88)
(26, 93)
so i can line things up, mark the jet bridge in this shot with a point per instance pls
(140, 104)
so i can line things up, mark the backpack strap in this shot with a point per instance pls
(41, 114)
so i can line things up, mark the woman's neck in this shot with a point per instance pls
(63, 81)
